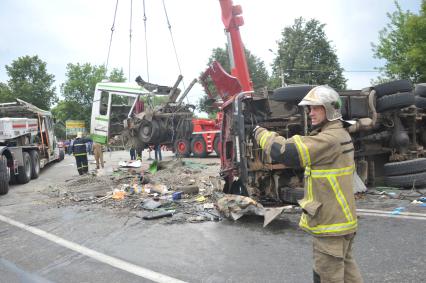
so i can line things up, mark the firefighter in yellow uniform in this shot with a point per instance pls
(328, 206)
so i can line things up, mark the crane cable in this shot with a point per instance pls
(149, 100)
(173, 42)
(146, 41)
(130, 38)
(110, 40)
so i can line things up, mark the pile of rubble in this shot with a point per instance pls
(176, 191)
(185, 190)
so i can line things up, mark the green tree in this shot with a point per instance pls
(67, 110)
(29, 81)
(81, 82)
(60, 131)
(79, 88)
(306, 56)
(257, 71)
(5, 94)
(402, 44)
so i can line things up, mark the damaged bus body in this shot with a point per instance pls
(126, 113)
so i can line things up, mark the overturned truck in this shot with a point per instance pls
(387, 128)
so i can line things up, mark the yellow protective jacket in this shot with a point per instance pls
(328, 158)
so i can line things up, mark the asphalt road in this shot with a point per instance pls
(41, 242)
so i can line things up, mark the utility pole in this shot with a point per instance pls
(282, 76)
(283, 84)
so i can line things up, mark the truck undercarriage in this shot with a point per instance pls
(387, 130)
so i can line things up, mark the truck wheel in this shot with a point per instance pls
(405, 167)
(393, 87)
(420, 102)
(198, 147)
(406, 181)
(420, 90)
(35, 164)
(61, 155)
(395, 101)
(182, 148)
(4, 176)
(216, 145)
(291, 93)
(291, 195)
(24, 172)
(344, 107)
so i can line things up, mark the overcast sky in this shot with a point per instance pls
(78, 31)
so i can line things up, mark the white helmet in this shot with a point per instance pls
(327, 97)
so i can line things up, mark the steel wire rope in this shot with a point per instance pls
(110, 40)
(146, 41)
(174, 46)
(130, 39)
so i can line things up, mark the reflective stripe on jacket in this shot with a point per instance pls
(328, 158)
(79, 146)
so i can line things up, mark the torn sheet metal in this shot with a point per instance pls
(235, 206)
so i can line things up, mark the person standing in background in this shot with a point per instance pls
(132, 153)
(79, 150)
(99, 155)
(157, 150)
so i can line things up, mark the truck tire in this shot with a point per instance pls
(4, 176)
(393, 87)
(216, 145)
(198, 147)
(420, 90)
(61, 155)
(420, 102)
(291, 93)
(406, 181)
(344, 107)
(395, 101)
(405, 167)
(35, 164)
(291, 195)
(24, 172)
(182, 148)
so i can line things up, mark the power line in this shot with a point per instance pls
(146, 41)
(130, 38)
(110, 40)
(324, 71)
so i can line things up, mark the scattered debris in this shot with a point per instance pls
(192, 189)
(235, 206)
(150, 204)
(420, 202)
(398, 210)
(159, 214)
(130, 164)
(182, 190)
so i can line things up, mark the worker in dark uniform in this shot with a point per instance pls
(329, 212)
(79, 151)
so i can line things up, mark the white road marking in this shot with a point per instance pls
(114, 262)
(383, 213)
